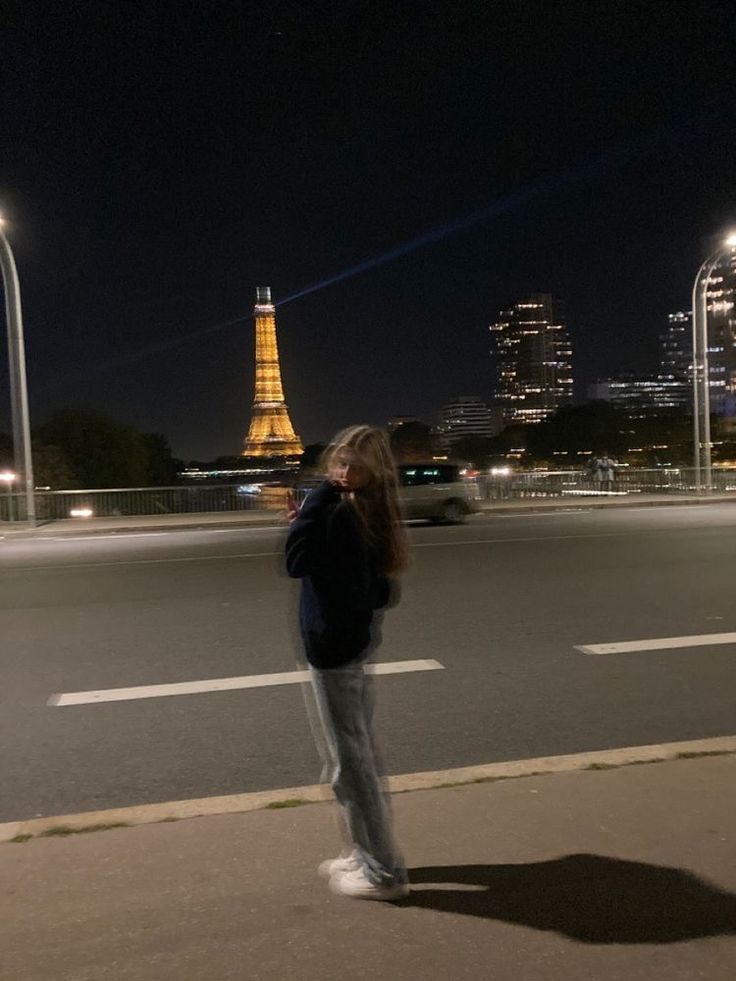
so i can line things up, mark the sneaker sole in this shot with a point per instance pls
(386, 897)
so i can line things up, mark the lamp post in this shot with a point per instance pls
(701, 367)
(18, 385)
(7, 477)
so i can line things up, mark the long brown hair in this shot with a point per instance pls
(377, 504)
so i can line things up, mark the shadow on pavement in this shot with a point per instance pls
(590, 898)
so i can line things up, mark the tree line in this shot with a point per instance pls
(569, 437)
(86, 448)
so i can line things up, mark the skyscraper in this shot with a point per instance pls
(675, 364)
(271, 432)
(676, 346)
(721, 303)
(532, 358)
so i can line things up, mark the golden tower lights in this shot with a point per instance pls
(271, 432)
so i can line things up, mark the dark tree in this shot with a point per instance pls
(573, 429)
(477, 451)
(6, 451)
(412, 442)
(162, 467)
(51, 468)
(104, 453)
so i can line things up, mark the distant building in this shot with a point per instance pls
(642, 396)
(721, 303)
(675, 360)
(676, 345)
(466, 415)
(532, 360)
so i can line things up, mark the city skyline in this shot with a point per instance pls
(397, 180)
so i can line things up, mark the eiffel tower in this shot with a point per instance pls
(271, 432)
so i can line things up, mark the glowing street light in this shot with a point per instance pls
(701, 366)
(18, 384)
(8, 477)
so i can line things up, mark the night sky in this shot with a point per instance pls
(161, 160)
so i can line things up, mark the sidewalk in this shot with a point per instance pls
(622, 875)
(247, 519)
(142, 522)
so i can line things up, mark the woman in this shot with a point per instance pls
(347, 545)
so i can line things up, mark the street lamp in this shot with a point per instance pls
(701, 367)
(18, 385)
(7, 477)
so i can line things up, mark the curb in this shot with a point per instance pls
(576, 504)
(49, 531)
(64, 824)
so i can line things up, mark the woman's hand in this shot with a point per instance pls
(292, 508)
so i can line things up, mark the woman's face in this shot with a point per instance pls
(348, 471)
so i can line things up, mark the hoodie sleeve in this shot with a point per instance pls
(305, 543)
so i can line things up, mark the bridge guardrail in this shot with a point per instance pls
(229, 498)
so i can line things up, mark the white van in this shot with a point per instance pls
(436, 492)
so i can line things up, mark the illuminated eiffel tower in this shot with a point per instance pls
(271, 432)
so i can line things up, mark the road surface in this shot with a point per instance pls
(502, 603)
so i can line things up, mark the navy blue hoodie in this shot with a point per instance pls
(341, 585)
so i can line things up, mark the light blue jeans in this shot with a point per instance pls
(344, 702)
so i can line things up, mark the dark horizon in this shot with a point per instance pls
(396, 180)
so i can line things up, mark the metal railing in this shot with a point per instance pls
(577, 483)
(119, 502)
(228, 498)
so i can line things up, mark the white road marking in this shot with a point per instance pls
(104, 538)
(540, 538)
(232, 531)
(551, 513)
(222, 684)
(658, 644)
(103, 565)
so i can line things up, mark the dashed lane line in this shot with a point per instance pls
(658, 644)
(223, 684)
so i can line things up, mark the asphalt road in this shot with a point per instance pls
(501, 602)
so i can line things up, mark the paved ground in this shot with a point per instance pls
(501, 603)
(623, 875)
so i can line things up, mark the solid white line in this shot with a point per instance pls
(658, 644)
(540, 538)
(240, 803)
(104, 565)
(222, 684)
(105, 538)
(232, 531)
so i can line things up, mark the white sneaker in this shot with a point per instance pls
(357, 885)
(336, 866)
